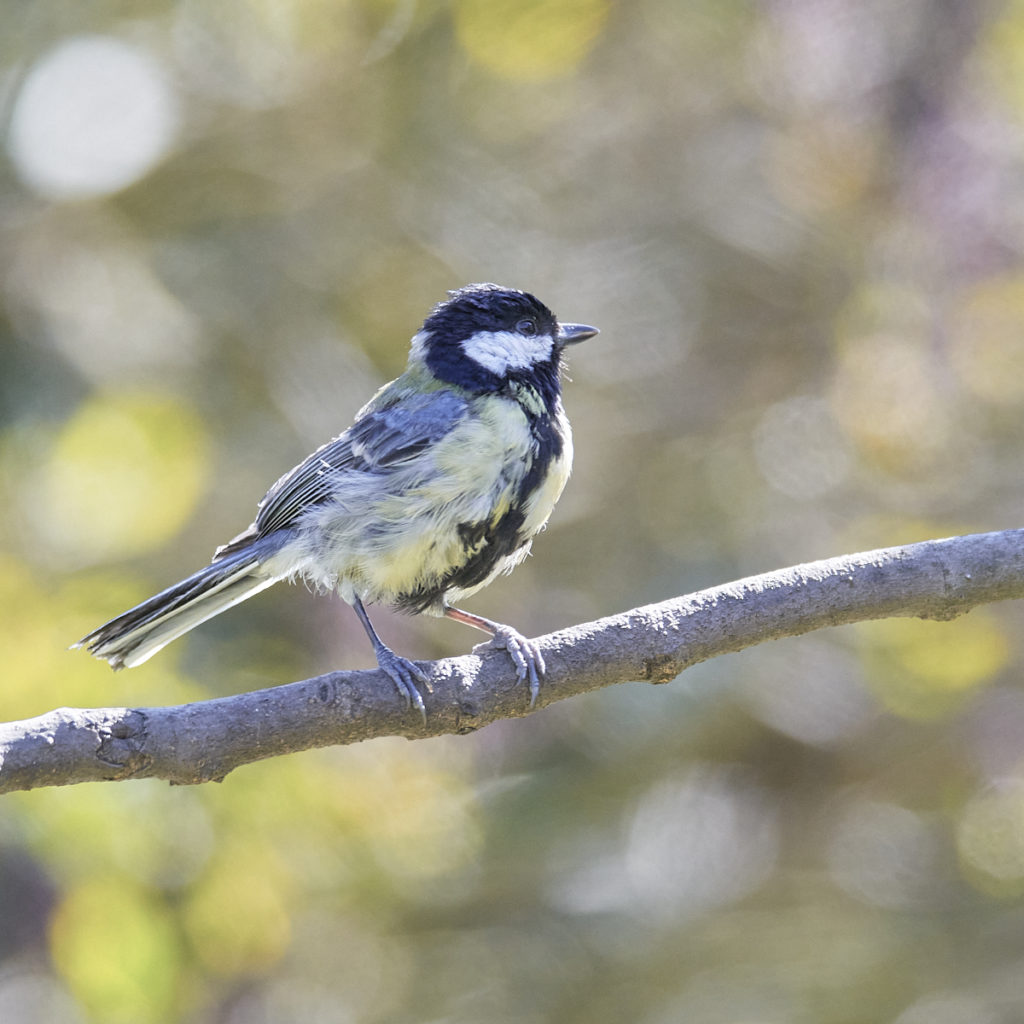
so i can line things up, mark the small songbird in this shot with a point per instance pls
(438, 487)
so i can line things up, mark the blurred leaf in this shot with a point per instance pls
(990, 840)
(1002, 53)
(988, 342)
(237, 914)
(122, 476)
(117, 948)
(922, 670)
(529, 40)
(136, 840)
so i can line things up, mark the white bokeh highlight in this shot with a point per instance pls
(800, 449)
(92, 116)
(694, 841)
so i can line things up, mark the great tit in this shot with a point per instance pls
(438, 487)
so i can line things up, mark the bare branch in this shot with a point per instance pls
(203, 741)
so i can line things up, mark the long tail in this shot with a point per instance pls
(137, 634)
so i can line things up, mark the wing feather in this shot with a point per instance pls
(386, 437)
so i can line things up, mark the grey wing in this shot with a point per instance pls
(378, 441)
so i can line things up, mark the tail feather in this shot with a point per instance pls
(136, 635)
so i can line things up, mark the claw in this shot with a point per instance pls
(525, 655)
(405, 675)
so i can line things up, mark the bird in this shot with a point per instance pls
(438, 487)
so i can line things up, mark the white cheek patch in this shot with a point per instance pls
(501, 351)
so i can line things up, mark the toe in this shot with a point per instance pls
(404, 674)
(525, 655)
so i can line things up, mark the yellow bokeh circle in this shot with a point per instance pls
(121, 477)
(529, 40)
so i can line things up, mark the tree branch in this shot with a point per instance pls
(203, 741)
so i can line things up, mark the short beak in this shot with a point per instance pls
(570, 334)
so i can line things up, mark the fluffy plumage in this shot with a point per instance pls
(438, 487)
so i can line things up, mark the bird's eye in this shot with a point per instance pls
(527, 328)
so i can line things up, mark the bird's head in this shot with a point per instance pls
(483, 336)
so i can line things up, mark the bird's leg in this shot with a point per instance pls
(403, 672)
(525, 653)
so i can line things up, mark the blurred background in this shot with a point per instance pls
(799, 225)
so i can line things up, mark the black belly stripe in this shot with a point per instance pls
(493, 545)
(486, 545)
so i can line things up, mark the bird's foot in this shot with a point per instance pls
(405, 675)
(525, 655)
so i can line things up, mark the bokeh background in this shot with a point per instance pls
(799, 225)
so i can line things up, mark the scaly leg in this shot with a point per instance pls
(403, 672)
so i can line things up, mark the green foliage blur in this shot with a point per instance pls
(799, 227)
